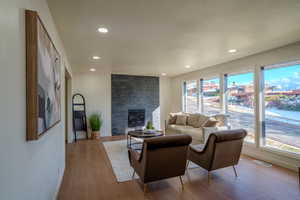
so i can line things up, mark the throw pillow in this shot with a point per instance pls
(202, 119)
(172, 118)
(211, 122)
(221, 119)
(181, 120)
(193, 120)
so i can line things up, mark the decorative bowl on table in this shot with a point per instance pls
(149, 131)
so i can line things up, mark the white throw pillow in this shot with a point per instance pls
(181, 120)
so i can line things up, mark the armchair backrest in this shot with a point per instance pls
(164, 157)
(224, 148)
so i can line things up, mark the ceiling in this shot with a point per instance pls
(150, 37)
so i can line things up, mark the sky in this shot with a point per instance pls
(285, 78)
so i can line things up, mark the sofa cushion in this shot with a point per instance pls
(176, 127)
(195, 133)
(181, 119)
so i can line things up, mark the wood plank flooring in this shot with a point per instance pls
(89, 176)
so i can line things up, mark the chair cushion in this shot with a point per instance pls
(197, 147)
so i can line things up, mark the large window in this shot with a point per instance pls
(211, 96)
(191, 97)
(282, 107)
(274, 122)
(240, 103)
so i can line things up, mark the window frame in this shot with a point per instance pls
(220, 95)
(262, 144)
(259, 107)
(226, 95)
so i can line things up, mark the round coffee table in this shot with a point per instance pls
(142, 134)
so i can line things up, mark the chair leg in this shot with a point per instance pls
(187, 164)
(180, 178)
(145, 188)
(133, 175)
(234, 171)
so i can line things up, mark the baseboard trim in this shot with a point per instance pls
(59, 184)
(267, 156)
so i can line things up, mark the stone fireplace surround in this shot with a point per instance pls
(131, 93)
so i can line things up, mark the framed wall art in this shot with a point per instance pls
(43, 78)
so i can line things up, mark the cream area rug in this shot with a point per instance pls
(118, 156)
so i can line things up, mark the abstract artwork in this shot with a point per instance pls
(43, 78)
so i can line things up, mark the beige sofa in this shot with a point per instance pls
(198, 126)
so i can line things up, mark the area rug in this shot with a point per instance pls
(118, 156)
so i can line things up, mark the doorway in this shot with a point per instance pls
(68, 113)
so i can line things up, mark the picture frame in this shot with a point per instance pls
(43, 79)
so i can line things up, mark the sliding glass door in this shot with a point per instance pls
(240, 103)
(281, 128)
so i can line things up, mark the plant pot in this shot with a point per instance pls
(95, 135)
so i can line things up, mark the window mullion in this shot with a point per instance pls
(259, 107)
(201, 96)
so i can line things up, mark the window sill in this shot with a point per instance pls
(281, 152)
(248, 143)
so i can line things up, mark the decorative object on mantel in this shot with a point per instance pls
(43, 79)
(95, 124)
(150, 126)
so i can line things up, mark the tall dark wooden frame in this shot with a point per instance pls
(31, 30)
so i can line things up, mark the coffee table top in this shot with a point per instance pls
(145, 133)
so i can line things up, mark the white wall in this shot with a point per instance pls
(275, 56)
(164, 99)
(96, 87)
(28, 170)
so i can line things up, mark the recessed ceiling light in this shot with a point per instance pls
(96, 57)
(232, 50)
(103, 30)
(92, 69)
(188, 66)
(163, 74)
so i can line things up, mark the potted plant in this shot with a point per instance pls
(150, 126)
(95, 124)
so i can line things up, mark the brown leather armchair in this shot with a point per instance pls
(160, 158)
(223, 149)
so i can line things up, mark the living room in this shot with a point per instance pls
(150, 99)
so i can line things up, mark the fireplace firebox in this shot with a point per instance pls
(136, 118)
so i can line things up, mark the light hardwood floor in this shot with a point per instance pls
(89, 176)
